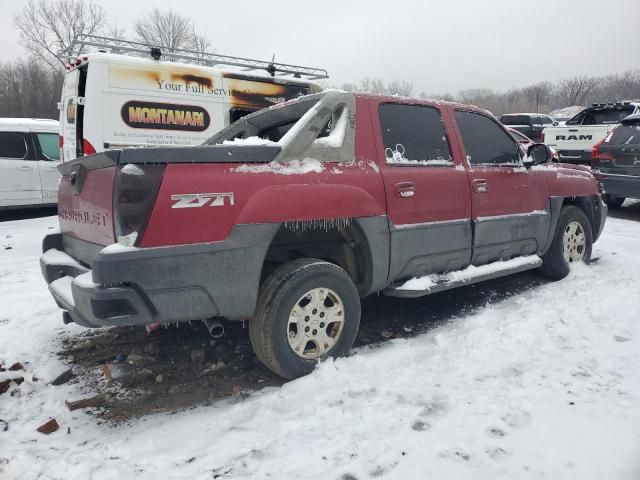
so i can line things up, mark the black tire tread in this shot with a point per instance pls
(553, 264)
(269, 297)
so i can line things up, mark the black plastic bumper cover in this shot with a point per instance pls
(621, 185)
(137, 286)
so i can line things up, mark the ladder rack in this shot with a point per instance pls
(114, 45)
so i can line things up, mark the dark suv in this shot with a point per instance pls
(616, 161)
(530, 124)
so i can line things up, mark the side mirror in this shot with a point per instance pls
(537, 154)
(555, 124)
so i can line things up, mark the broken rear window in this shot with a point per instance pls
(270, 124)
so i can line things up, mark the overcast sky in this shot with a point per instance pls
(439, 45)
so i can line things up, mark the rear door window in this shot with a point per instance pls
(414, 135)
(485, 142)
(13, 145)
(606, 116)
(625, 135)
(48, 146)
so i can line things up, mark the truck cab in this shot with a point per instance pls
(575, 139)
(529, 124)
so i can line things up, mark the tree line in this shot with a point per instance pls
(542, 97)
(30, 87)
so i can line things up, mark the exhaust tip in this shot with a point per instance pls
(66, 318)
(215, 328)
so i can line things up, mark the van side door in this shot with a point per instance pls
(19, 177)
(426, 189)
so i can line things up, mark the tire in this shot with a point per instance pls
(613, 202)
(290, 303)
(572, 225)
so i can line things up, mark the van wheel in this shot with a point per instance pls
(307, 310)
(571, 243)
(613, 202)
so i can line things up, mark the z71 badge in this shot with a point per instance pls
(192, 200)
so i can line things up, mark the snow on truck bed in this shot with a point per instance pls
(543, 384)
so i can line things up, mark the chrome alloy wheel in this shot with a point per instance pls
(574, 243)
(315, 323)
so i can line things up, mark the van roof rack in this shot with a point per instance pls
(157, 52)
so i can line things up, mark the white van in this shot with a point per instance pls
(29, 157)
(144, 97)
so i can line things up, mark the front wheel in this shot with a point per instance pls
(571, 243)
(307, 310)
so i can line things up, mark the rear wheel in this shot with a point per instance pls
(307, 310)
(571, 243)
(613, 202)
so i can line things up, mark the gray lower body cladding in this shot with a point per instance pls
(165, 284)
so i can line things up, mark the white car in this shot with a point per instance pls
(29, 157)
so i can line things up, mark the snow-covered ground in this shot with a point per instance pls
(545, 384)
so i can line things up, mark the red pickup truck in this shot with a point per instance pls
(292, 214)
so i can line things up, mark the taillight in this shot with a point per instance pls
(136, 188)
(61, 146)
(87, 148)
(595, 150)
(597, 156)
(542, 137)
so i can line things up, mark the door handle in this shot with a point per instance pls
(24, 168)
(405, 189)
(52, 169)
(480, 185)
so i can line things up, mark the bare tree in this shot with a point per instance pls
(170, 30)
(575, 90)
(350, 87)
(400, 87)
(48, 27)
(365, 85)
(29, 89)
(113, 30)
(378, 87)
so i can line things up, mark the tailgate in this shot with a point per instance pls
(575, 137)
(85, 198)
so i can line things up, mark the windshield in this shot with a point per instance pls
(602, 116)
(626, 135)
(514, 120)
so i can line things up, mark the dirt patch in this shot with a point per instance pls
(172, 368)
(180, 366)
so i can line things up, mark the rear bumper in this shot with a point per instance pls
(168, 284)
(620, 185)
